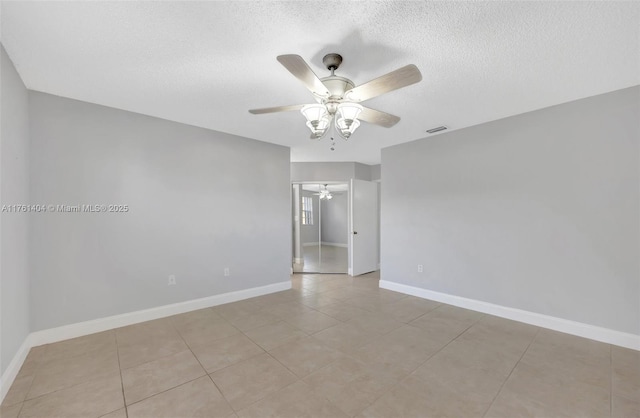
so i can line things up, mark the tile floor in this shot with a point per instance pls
(332, 346)
(323, 259)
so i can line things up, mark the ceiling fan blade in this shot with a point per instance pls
(276, 109)
(376, 117)
(394, 80)
(299, 68)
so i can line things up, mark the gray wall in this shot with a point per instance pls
(537, 212)
(14, 227)
(329, 171)
(199, 201)
(334, 219)
(376, 172)
(310, 233)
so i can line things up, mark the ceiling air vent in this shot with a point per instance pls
(434, 130)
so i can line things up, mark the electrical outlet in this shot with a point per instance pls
(420, 269)
(172, 280)
(227, 272)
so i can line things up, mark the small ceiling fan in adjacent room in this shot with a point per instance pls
(338, 98)
(325, 193)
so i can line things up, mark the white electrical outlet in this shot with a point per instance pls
(420, 268)
(172, 280)
(227, 272)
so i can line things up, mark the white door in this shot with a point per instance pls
(363, 242)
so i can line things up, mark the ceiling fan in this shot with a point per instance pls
(325, 193)
(338, 98)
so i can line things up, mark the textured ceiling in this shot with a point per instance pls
(207, 63)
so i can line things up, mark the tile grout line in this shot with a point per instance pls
(511, 372)
(422, 363)
(610, 380)
(124, 399)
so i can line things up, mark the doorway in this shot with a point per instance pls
(321, 229)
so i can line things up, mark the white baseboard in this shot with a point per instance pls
(298, 260)
(580, 329)
(334, 244)
(12, 370)
(310, 244)
(80, 329)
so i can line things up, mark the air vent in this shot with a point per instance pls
(434, 130)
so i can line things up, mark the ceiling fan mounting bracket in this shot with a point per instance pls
(332, 61)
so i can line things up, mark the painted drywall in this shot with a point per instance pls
(537, 212)
(376, 172)
(310, 234)
(329, 171)
(14, 226)
(334, 219)
(198, 201)
(362, 171)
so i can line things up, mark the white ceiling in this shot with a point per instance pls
(207, 63)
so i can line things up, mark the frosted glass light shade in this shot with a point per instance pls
(349, 111)
(314, 113)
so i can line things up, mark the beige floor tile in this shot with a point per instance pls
(509, 405)
(254, 320)
(342, 311)
(79, 346)
(120, 413)
(374, 322)
(225, 352)
(290, 295)
(345, 337)
(447, 361)
(404, 349)
(70, 371)
(159, 375)
(241, 308)
(33, 361)
(366, 302)
(251, 380)
(198, 398)
(186, 319)
(625, 357)
(408, 309)
(559, 392)
(206, 331)
(626, 372)
(416, 398)
(626, 382)
(469, 368)
(312, 322)
(624, 407)
(146, 342)
(305, 356)
(388, 296)
(272, 335)
(344, 293)
(595, 352)
(296, 400)
(10, 411)
(144, 330)
(501, 333)
(18, 391)
(569, 367)
(318, 300)
(93, 398)
(447, 322)
(287, 309)
(350, 384)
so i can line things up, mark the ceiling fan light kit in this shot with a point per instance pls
(338, 98)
